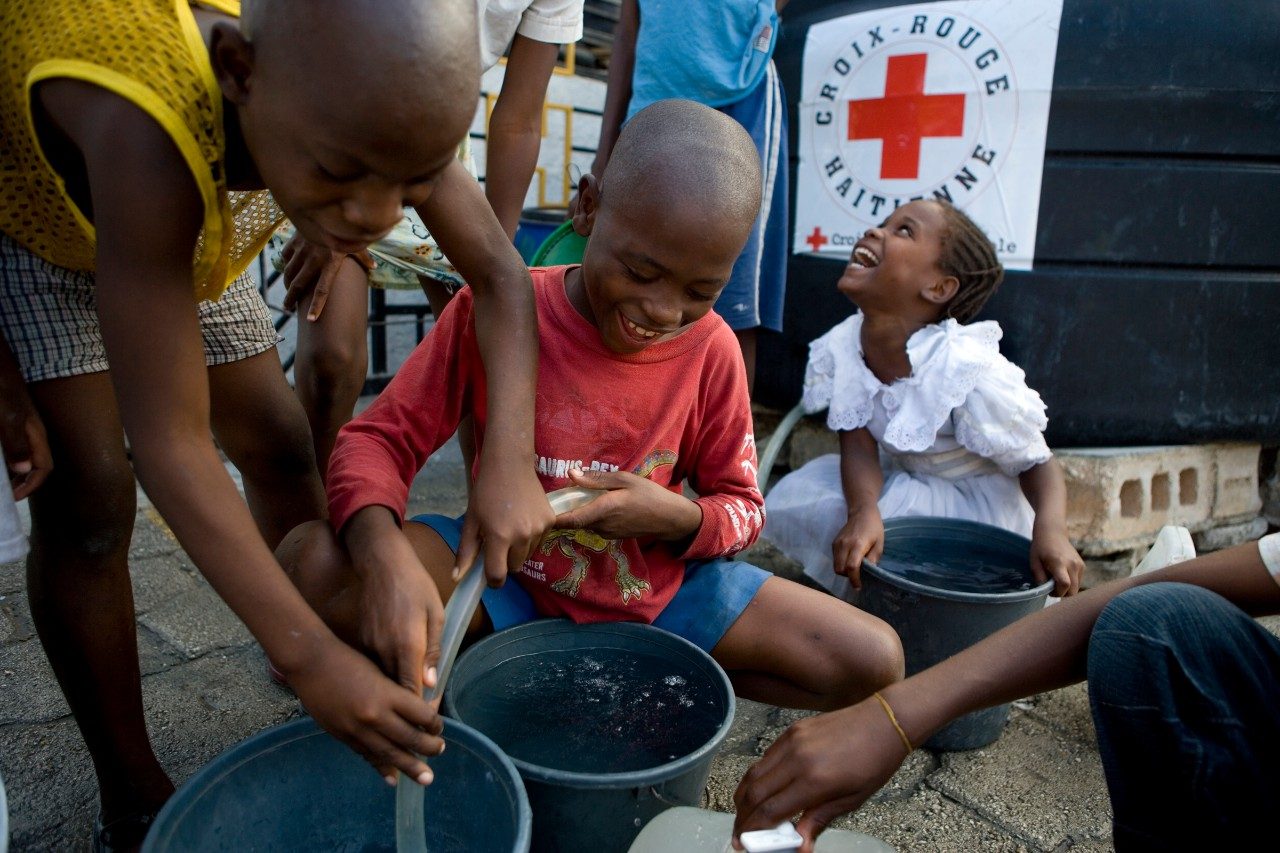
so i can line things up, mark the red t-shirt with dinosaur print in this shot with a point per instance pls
(676, 410)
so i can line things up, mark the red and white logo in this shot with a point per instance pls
(922, 101)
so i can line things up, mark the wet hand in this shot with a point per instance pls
(27, 457)
(632, 506)
(1052, 556)
(386, 724)
(862, 537)
(507, 515)
(402, 616)
(820, 768)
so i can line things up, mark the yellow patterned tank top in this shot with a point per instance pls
(151, 53)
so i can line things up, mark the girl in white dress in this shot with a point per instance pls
(932, 419)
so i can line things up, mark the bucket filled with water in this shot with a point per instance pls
(608, 724)
(944, 584)
(293, 787)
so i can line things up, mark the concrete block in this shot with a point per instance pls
(1236, 493)
(1036, 782)
(1270, 486)
(1118, 498)
(1229, 535)
(809, 440)
(1109, 567)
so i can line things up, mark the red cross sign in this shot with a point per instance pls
(817, 239)
(904, 116)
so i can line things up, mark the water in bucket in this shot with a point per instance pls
(604, 711)
(973, 571)
(943, 585)
(608, 724)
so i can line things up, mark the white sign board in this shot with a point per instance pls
(930, 100)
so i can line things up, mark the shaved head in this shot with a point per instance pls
(403, 60)
(349, 110)
(680, 149)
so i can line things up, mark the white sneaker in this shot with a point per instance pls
(1173, 545)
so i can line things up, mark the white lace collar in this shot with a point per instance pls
(947, 360)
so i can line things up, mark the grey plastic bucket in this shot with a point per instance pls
(935, 622)
(293, 787)
(595, 810)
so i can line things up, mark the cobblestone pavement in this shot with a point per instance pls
(1039, 788)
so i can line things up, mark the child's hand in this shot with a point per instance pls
(310, 267)
(632, 506)
(821, 767)
(862, 537)
(1052, 556)
(379, 719)
(401, 614)
(26, 447)
(509, 513)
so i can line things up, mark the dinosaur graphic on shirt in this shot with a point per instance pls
(578, 545)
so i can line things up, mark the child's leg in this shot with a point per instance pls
(333, 356)
(261, 427)
(800, 648)
(79, 589)
(438, 297)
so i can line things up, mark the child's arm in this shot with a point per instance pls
(1052, 555)
(508, 508)
(374, 461)
(862, 536)
(26, 447)
(622, 63)
(515, 128)
(146, 209)
(828, 765)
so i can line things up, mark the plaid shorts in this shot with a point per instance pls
(49, 317)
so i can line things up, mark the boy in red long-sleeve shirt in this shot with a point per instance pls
(640, 386)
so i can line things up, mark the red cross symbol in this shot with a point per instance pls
(904, 116)
(817, 239)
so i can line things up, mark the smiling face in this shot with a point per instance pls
(319, 94)
(651, 270)
(895, 268)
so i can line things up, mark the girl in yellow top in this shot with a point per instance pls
(126, 129)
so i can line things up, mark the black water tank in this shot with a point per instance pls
(1153, 312)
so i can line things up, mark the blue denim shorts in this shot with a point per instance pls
(711, 598)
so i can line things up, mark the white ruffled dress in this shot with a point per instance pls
(953, 436)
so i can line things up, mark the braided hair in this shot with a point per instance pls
(968, 254)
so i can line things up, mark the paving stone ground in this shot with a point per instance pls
(1039, 788)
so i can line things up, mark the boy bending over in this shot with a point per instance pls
(126, 129)
(640, 386)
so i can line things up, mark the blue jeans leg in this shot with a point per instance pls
(1185, 691)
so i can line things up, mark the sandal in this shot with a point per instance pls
(124, 833)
